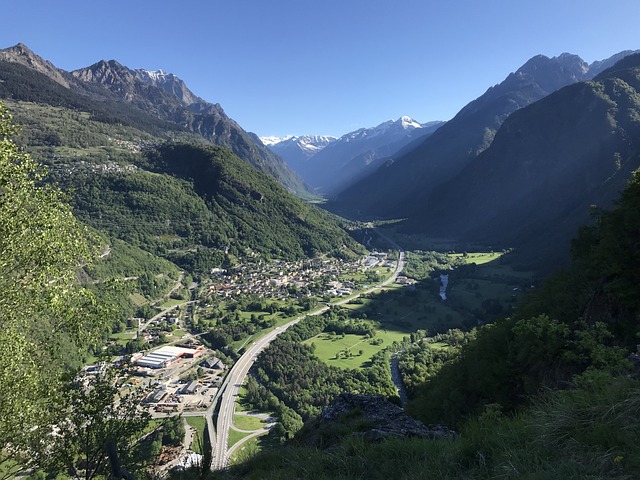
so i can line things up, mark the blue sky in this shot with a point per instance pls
(282, 67)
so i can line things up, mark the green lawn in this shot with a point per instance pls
(249, 449)
(479, 258)
(199, 423)
(235, 437)
(171, 302)
(248, 422)
(240, 407)
(122, 338)
(138, 299)
(328, 347)
(176, 334)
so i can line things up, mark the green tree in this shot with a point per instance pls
(101, 422)
(44, 316)
(173, 431)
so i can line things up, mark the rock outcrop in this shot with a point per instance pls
(371, 417)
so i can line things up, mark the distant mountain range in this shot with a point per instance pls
(329, 164)
(297, 150)
(401, 187)
(165, 97)
(520, 166)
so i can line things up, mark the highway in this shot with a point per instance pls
(228, 392)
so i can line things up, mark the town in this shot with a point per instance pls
(182, 368)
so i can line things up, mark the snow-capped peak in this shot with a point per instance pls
(269, 141)
(408, 122)
(155, 75)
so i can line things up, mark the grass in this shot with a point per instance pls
(235, 437)
(248, 422)
(199, 423)
(587, 432)
(177, 333)
(251, 448)
(122, 338)
(328, 346)
(479, 258)
(240, 403)
(138, 299)
(172, 302)
(248, 450)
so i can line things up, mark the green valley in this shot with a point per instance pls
(177, 303)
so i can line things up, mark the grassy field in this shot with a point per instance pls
(248, 422)
(235, 437)
(240, 403)
(199, 423)
(122, 338)
(248, 449)
(176, 334)
(170, 303)
(344, 351)
(479, 258)
(138, 299)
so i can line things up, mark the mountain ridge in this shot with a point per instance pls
(549, 163)
(403, 186)
(353, 154)
(168, 99)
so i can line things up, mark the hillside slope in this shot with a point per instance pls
(547, 165)
(403, 186)
(146, 95)
(196, 205)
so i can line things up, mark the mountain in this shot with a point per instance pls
(168, 98)
(160, 95)
(547, 166)
(132, 176)
(402, 186)
(176, 87)
(22, 55)
(297, 150)
(346, 158)
(195, 204)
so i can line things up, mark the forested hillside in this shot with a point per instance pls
(548, 165)
(194, 205)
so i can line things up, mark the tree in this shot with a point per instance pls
(44, 316)
(173, 431)
(100, 423)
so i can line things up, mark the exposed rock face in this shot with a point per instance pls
(21, 54)
(374, 418)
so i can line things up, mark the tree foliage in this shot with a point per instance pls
(584, 318)
(44, 316)
(98, 421)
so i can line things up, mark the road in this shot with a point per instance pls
(164, 311)
(229, 390)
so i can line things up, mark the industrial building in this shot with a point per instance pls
(166, 355)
